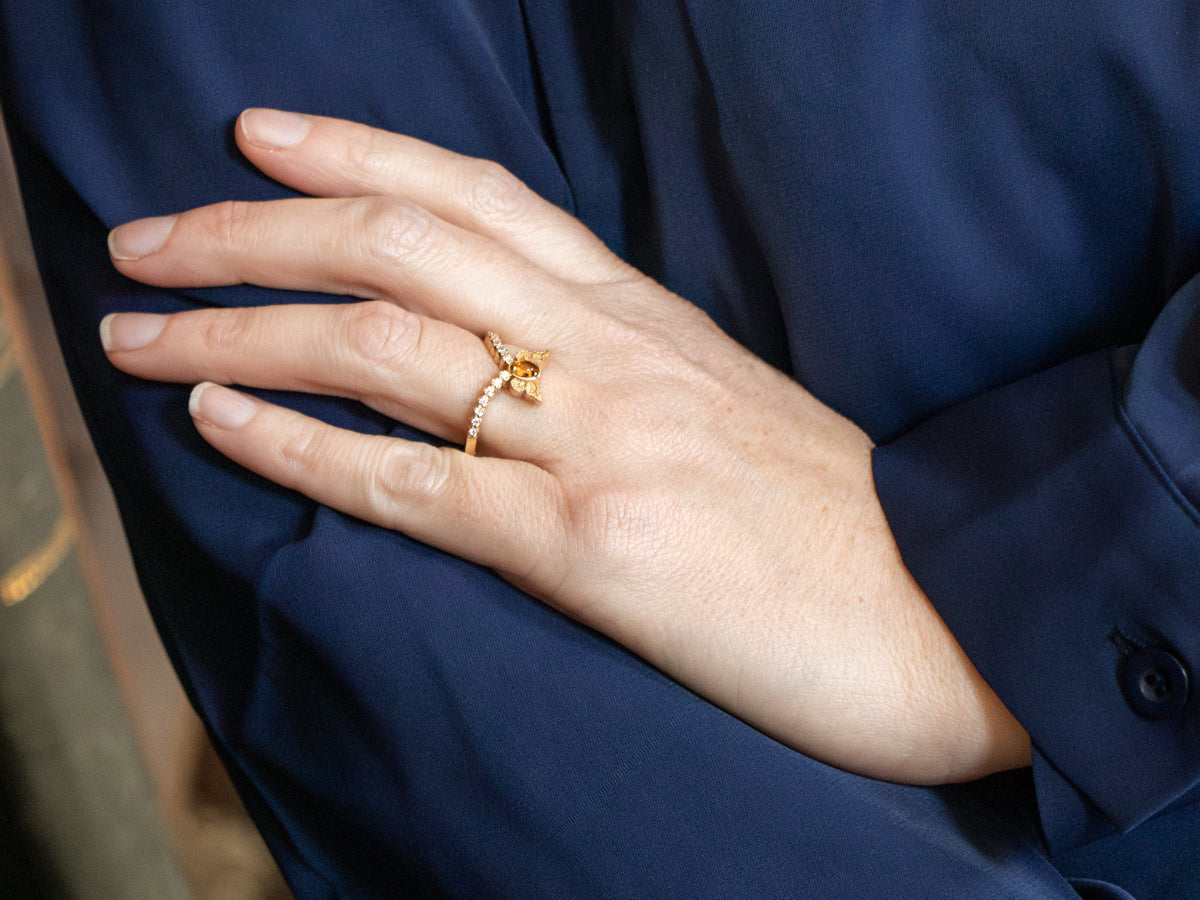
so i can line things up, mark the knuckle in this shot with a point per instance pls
(371, 157)
(398, 233)
(404, 475)
(382, 335)
(227, 331)
(493, 193)
(230, 223)
(300, 452)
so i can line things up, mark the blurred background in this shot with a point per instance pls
(108, 785)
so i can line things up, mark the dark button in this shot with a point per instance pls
(1155, 683)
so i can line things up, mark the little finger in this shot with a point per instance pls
(441, 497)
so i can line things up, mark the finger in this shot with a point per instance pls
(416, 370)
(334, 158)
(442, 497)
(371, 247)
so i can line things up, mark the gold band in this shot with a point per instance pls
(519, 369)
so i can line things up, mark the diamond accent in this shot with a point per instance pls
(519, 369)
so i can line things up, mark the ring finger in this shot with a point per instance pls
(421, 371)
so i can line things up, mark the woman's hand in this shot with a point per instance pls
(671, 490)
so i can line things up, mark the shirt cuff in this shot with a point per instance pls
(1068, 567)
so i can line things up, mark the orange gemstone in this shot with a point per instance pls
(523, 368)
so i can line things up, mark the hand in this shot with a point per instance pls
(672, 490)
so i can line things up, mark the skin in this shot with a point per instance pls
(679, 495)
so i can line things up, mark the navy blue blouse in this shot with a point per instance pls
(970, 227)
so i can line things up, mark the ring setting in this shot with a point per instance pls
(520, 370)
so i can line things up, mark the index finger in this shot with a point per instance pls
(328, 157)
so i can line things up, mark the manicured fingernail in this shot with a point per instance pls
(220, 406)
(274, 129)
(130, 331)
(139, 238)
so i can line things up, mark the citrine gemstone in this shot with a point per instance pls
(523, 368)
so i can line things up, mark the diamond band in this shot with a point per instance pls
(521, 370)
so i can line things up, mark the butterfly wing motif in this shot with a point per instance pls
(526, 387)
(525, 370)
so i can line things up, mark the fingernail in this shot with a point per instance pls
(139, 238)
(274, 129)
(220, 406)
(130, 331)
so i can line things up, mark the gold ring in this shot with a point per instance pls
(519, 369)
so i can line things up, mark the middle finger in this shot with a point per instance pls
(372, 247)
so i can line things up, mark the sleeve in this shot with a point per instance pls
(963, 208)
(1054, 524)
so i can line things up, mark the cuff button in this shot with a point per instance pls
(1155, 683)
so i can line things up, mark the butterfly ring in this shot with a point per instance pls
(519, 369)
